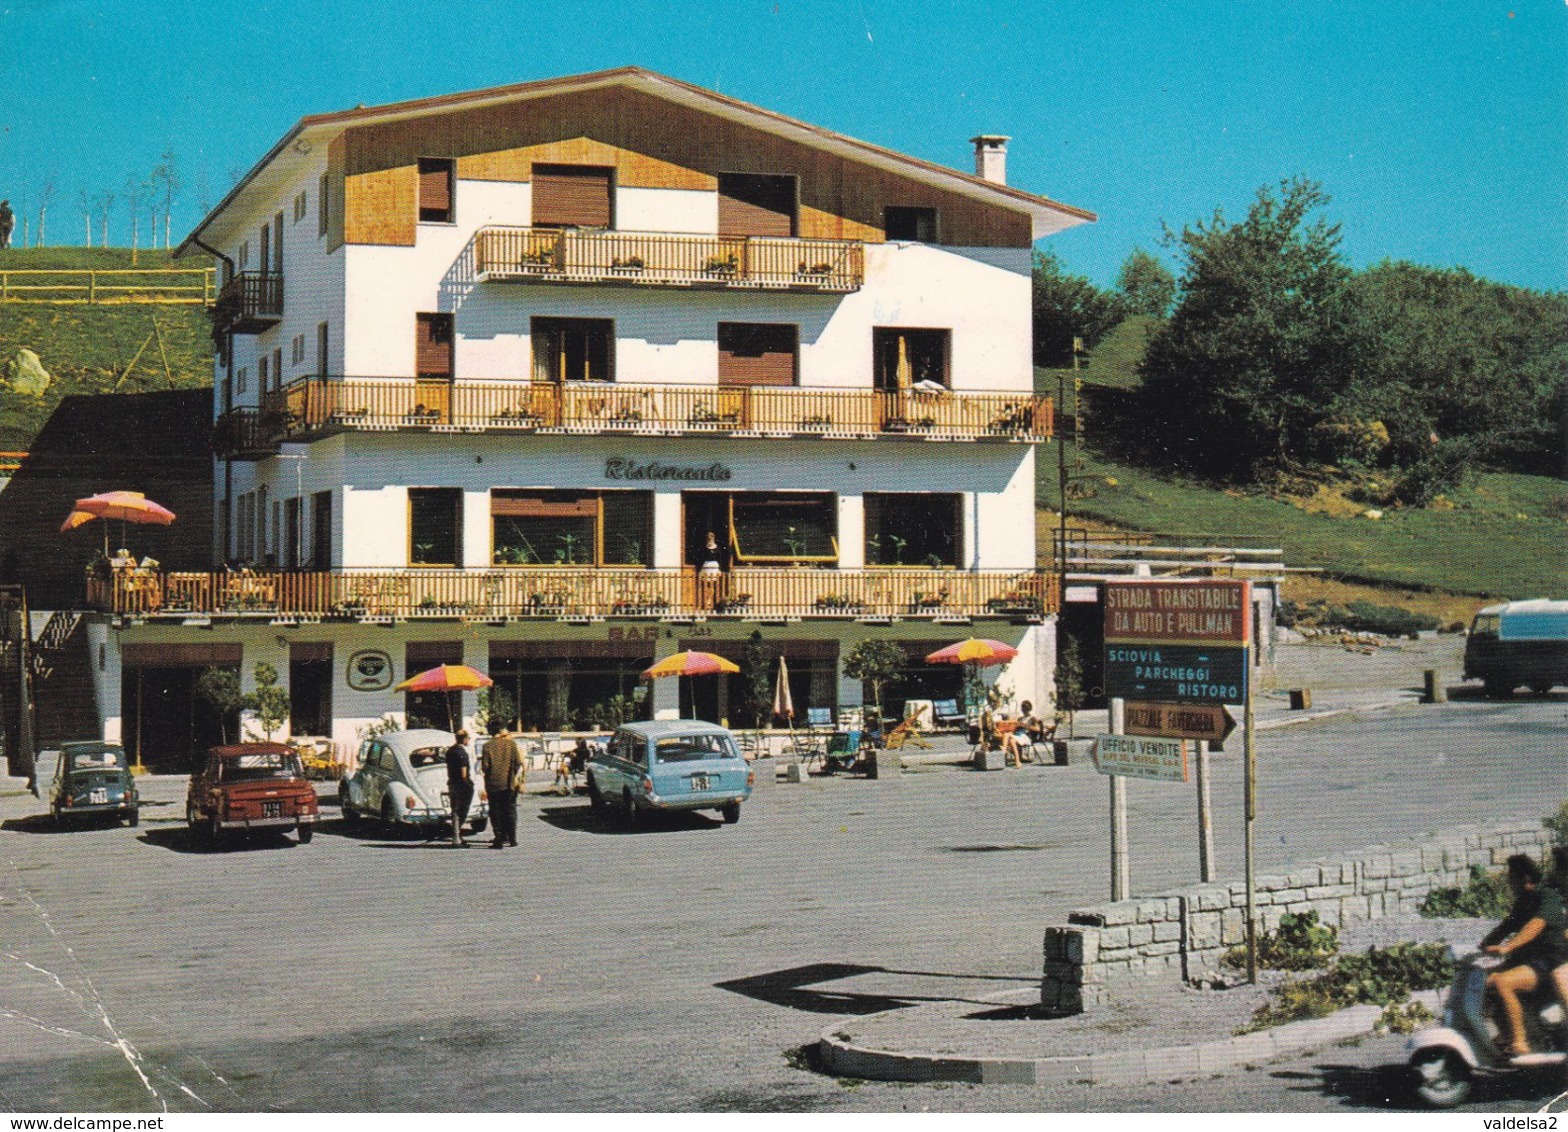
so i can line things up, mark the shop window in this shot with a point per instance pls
(905, 357)
(571, 528)
(909, 529)
(435, 526)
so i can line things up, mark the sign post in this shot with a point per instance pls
(1176, 652)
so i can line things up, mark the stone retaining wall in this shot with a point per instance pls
(1182, 934)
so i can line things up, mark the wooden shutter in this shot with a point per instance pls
(173, 655)
(752, 353)
(435, 189)
(544, 505)
(433, 345)
(753, 204)
(571, 196)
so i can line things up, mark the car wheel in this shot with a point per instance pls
(595, 799)
(479, 826)
(628, 810)
(306, 832)
(1496, 689)
(730, 813)
(133, 819)
(1540, 689)
(1442, 1079)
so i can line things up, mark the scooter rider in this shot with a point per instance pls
(1530, 940)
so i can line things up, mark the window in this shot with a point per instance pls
(264, 246)
(435, 526)
(293, 553)
(321, 206)
(310, 688)
(277, 368)
(436, 205)
(298, 349)
(904, 222)
(573, 349)
(243, 257)
(321, 531)
(572, 196)
(754, 204)
(242, 380)
(903, 357)
(758, 353)
(913, 529)
(764, 527)
(263, 366)
(300, 207)
(433, 335)
(571, 528)
(323, 340)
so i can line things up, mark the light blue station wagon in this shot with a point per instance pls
(677, 764)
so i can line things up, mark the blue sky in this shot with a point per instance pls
(1439, 128)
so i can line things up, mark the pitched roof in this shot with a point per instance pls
(1047, 215)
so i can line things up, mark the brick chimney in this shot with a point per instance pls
(991, 157)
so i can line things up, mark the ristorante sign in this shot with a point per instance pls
(617, 468)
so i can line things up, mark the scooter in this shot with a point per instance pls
(1446, 1059)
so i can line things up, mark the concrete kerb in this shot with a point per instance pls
(840, 1056)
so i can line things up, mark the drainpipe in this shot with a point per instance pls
(228, 464)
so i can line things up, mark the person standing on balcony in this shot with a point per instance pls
(713, 563)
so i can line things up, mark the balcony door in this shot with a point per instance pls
(433, 346)
(904, 357)
(573, 349)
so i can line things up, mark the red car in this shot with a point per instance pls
(251, 786)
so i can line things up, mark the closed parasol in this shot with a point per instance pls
(783, 702)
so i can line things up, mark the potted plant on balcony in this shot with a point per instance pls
(539, 259)
(823, 268)
(722, 264)
(817, 422)
(626, 265)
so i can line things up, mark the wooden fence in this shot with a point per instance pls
(182, 285)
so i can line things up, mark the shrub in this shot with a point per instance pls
(1484, 897)
(1557, 824)
(1384, 976)
(1299, 944)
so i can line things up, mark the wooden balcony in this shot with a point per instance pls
(667, 259)
(315, 406)
(249, 303)
(555, 593)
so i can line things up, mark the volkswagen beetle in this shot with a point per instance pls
(401, 782)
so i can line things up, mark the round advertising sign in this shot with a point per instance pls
(370, 670)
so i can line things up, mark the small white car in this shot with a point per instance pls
(401, 782)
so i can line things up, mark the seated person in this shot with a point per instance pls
(122, 560)
(1530, 940)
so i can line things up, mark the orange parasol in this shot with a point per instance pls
(976, 651)
(127, 506)
(690, 664)
(446, 678)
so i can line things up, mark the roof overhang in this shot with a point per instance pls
(281, 162)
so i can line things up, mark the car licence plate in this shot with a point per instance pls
(272, 809)
(701, 782)
(98, 797)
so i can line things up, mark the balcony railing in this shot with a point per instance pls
(507, 593)
(667, 259)
(314, 405)
(249, 303)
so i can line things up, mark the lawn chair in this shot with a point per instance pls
(946, 713)
(843, 752)
(907, 732)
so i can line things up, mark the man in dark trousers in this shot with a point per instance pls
(459, 785)
(502, 766)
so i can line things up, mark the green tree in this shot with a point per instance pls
(270, 700)
(1067, 306)
(1145, 286)
(1459, 371)
(219, 689)
(874, 662)
(756, 668)
(1252, 358)
(495, 706)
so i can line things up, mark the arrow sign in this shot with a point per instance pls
(1180, 721)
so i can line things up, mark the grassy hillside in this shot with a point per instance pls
(86, 348)
(1503, 536)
